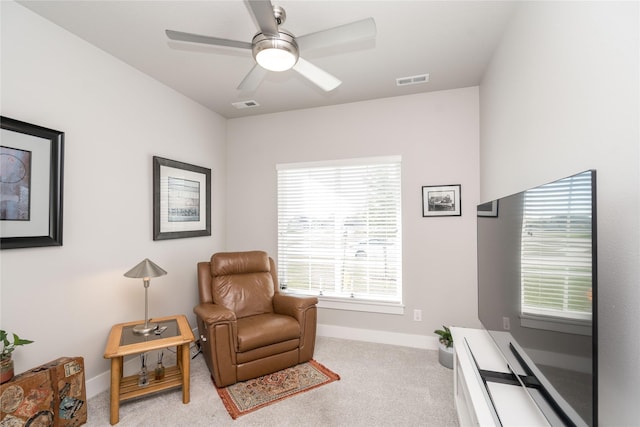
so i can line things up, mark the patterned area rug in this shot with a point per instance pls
(248, 396)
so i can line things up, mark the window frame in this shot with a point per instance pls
(328, 298)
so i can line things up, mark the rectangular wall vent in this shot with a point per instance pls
(412, 80)
(245, 104)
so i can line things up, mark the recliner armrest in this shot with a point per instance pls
(212, 313)
(292, 305)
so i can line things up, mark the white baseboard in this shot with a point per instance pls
(101, 382)
(380, 337)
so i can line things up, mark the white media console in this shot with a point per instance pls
(493, 404)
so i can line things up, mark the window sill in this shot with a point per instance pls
(336, 303)
(568, 326)
(367, 306)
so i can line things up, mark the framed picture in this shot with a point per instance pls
(441, 200)
(489, 209)
(31, 172)
(181, 200)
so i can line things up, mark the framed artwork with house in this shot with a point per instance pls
(441, 200)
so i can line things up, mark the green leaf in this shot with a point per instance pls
(445, 336)
(18, 341)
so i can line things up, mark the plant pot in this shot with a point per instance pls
(445, 356)
(6, 370)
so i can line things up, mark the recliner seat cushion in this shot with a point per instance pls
(265, 329)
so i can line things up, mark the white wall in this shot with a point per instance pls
(560, 96)
(115, 119)
(437, 136)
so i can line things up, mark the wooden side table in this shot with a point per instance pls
(123, 342)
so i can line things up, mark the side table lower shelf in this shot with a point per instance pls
(129, 388)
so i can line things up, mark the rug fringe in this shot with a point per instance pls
(228, 403)
(328, 372)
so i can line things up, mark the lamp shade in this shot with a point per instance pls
(145, 268)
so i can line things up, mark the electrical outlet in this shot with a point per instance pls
(417, 315)
(506, 324)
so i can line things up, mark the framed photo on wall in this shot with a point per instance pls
(441, 200)
(181, 200)
(489, 209)
(31, 172)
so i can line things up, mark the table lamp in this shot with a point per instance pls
(145, 270)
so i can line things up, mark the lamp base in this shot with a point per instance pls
(145, 328)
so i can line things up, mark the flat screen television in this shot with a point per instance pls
(537, 294)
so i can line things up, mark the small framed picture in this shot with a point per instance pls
(181, 200)
(489, 209)
(441, 200)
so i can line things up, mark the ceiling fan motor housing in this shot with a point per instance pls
(279, 14)
(275, 53)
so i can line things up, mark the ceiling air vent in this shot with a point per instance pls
(245, 104)
(412, 80)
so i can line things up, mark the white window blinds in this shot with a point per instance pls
(557, 251)
(339, 229)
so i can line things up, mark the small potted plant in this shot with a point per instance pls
(6, 362)
(445, 351)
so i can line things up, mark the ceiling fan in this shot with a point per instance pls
(276, 49)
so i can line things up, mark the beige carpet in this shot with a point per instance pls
(380, 385)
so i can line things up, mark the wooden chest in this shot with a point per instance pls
(52, 394)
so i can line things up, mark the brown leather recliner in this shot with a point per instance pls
(247, 327)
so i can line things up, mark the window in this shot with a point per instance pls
(556, 252)
(339, 229)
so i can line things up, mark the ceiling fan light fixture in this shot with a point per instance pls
(275, 53)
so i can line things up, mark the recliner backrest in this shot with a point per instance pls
(243, 282)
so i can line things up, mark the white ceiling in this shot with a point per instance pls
(452, 41)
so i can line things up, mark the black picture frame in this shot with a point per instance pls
(488, 209)
(181, 200)
(441, 200)
(41, 186)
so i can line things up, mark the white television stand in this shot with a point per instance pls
(495, 404)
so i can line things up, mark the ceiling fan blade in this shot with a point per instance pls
(359, 30)
(315, 75)
(196, 38)
(263, 11)
(252, 80)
